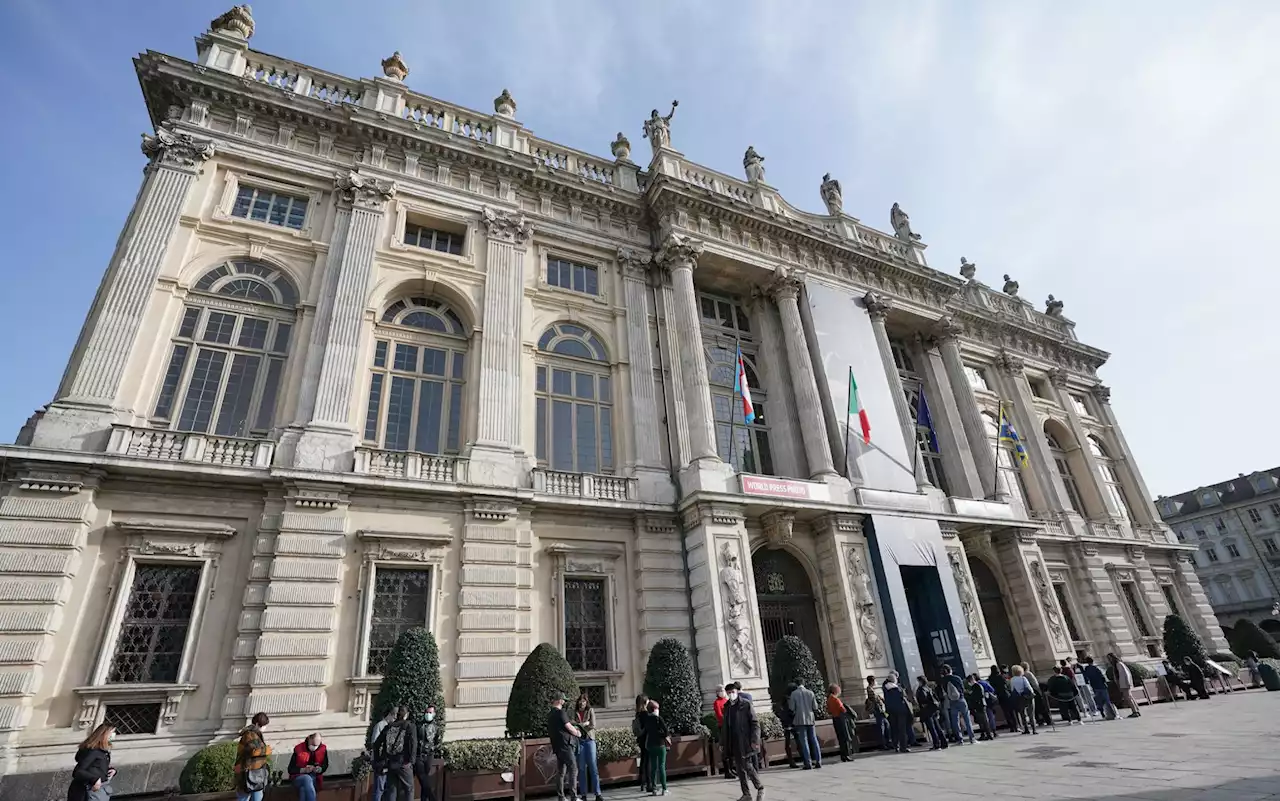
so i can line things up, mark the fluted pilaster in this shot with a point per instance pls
(644, 405)
(508, 234)
(785, 291)
(679, 255)
(878, 309)
(946, 333)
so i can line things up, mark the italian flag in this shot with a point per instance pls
(855, 407)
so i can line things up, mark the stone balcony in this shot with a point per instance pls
(590, 486)
(410, 465)
(180, 446)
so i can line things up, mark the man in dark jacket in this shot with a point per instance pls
(1195, 676)
(927, 709)
(394, 754)
(428, 742)
(742, 743)
(1008, 706)
(899, 711)
(1097, 681)
(1062, 691)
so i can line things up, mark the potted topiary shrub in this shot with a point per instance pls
(669, 679)
(794, 662)
(210, 770)
(617, 755)
(544, 673)
(1248, 636)
(480, 769)
(413, 681)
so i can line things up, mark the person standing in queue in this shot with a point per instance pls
(898, 711)
(927, 709)
(428, 746)
(563, 735)
(842, 720)
(91, 777)
(742, 742)
(637, 730)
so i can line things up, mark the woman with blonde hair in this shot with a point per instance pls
(90, 780)
(1025, 697)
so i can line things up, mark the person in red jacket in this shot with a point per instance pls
(307, 766)
(722, 698)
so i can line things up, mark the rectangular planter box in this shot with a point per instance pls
(336, 789)
(475, 785)
(689, 755)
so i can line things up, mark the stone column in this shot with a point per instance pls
(82, 412)
(878, 309)
(494, 458)
(679, 255)
(775, 373)
(957, 459)
(1021, 410)
(1138, 497)
(672, 377)
(1034, 602)
(947, 334)
(813, 431)
(1058, 382)
(329, 438)
(644, 405)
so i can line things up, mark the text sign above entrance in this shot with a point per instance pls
(784, 488)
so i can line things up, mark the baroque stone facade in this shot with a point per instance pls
(364, 359)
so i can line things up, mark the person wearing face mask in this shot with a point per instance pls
(428, 745)
(91, 777)
(657, 739)
(307, 766)
(742, 742)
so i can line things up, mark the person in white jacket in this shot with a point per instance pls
(1124, 683)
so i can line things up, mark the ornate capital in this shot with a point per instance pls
(236, 22)
(634, 263)
(784, 287)
(505, 226)
(778, 528)
(173, 149)
(947, 329)
(679, 252)
(876, 306)
(1010, 364)
(1102, 392)
(364, 192)
(1057, 377)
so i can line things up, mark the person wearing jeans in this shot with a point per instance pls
(804, 708)
(1097, 681)
(957, 707)
(307, 766)
(874, 706)
(927, 709)
(588, 771)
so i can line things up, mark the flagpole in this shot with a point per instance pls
(734, 407)
(848, 415)
(915, 440)
(995, 483)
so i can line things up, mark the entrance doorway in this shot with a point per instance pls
(788, 608)
(1003, 644)
(931, 621)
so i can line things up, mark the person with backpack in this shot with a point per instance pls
(874, 707)
(957, 707)
(428, 745)
(394, 755)
(307, 766)
(379, 779)
(976, 699)
(1020, 686)
(252, 766)
(927, 709)
(899, 712)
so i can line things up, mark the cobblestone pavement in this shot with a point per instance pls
(1222, 749)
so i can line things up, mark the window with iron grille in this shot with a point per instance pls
(401, 601)
(585, 624)
(1060, 590)
(1135, 608)
(273, 208)
(133, 718)
(1171, 598)
(597, 694)
(156, 619)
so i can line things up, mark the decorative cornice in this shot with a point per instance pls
(1057, 377)
(364, 192)
(877, 307)
(492, 510)
(506, 226)
(679, 252)
(170, 148)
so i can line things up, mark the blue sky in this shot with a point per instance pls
(1121, 156)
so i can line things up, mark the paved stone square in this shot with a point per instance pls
(1222, 749)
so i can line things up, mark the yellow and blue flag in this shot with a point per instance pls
(1010, 437)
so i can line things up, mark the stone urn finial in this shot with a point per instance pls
(967, 269)
(1010, 286)
(236, 22)
(1053, 307)
(621, 148)
(504, 105)
(394, 67)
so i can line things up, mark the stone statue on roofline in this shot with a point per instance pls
(658, 129)
(967, 269)
(1010, 287)
(504, 105)
(1053, 307)
(753, 163)
(831, 195)
(902, 224)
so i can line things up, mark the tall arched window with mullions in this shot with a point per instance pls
(228, 355)
(416, 389)
(725, 329)
(574, 401)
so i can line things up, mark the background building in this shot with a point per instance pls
(1235, 527)
(365, 360)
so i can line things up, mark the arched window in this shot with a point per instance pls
(1064, 472)
(415, 391)
(1109, 476)
(1006, 461)
(574, 399)
(725, 329)
(227, 358)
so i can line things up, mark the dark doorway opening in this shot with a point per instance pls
(931, 620)
(1003, 643)
(787, 606)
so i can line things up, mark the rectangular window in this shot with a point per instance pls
(1171, 598)
(1269, 544)
(202, 391)
(401, 601)
(233, 414)
(1182, 537)
(1275, 511)
(420, 236)
(977, 377)
(1079, 404)
(132, 718)
(1200, 533)
(1212, 554)
(565, 274)
(273, 208)
(1130, 591)
(1060, 590)
(1069, 483)
(153, 632)
(177, 363)
(1233, 551)
(1221, 525)
(585, 624)
(1039, 388)
(1255, 516)
(375, 405)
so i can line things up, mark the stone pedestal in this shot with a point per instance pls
(853, 603)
